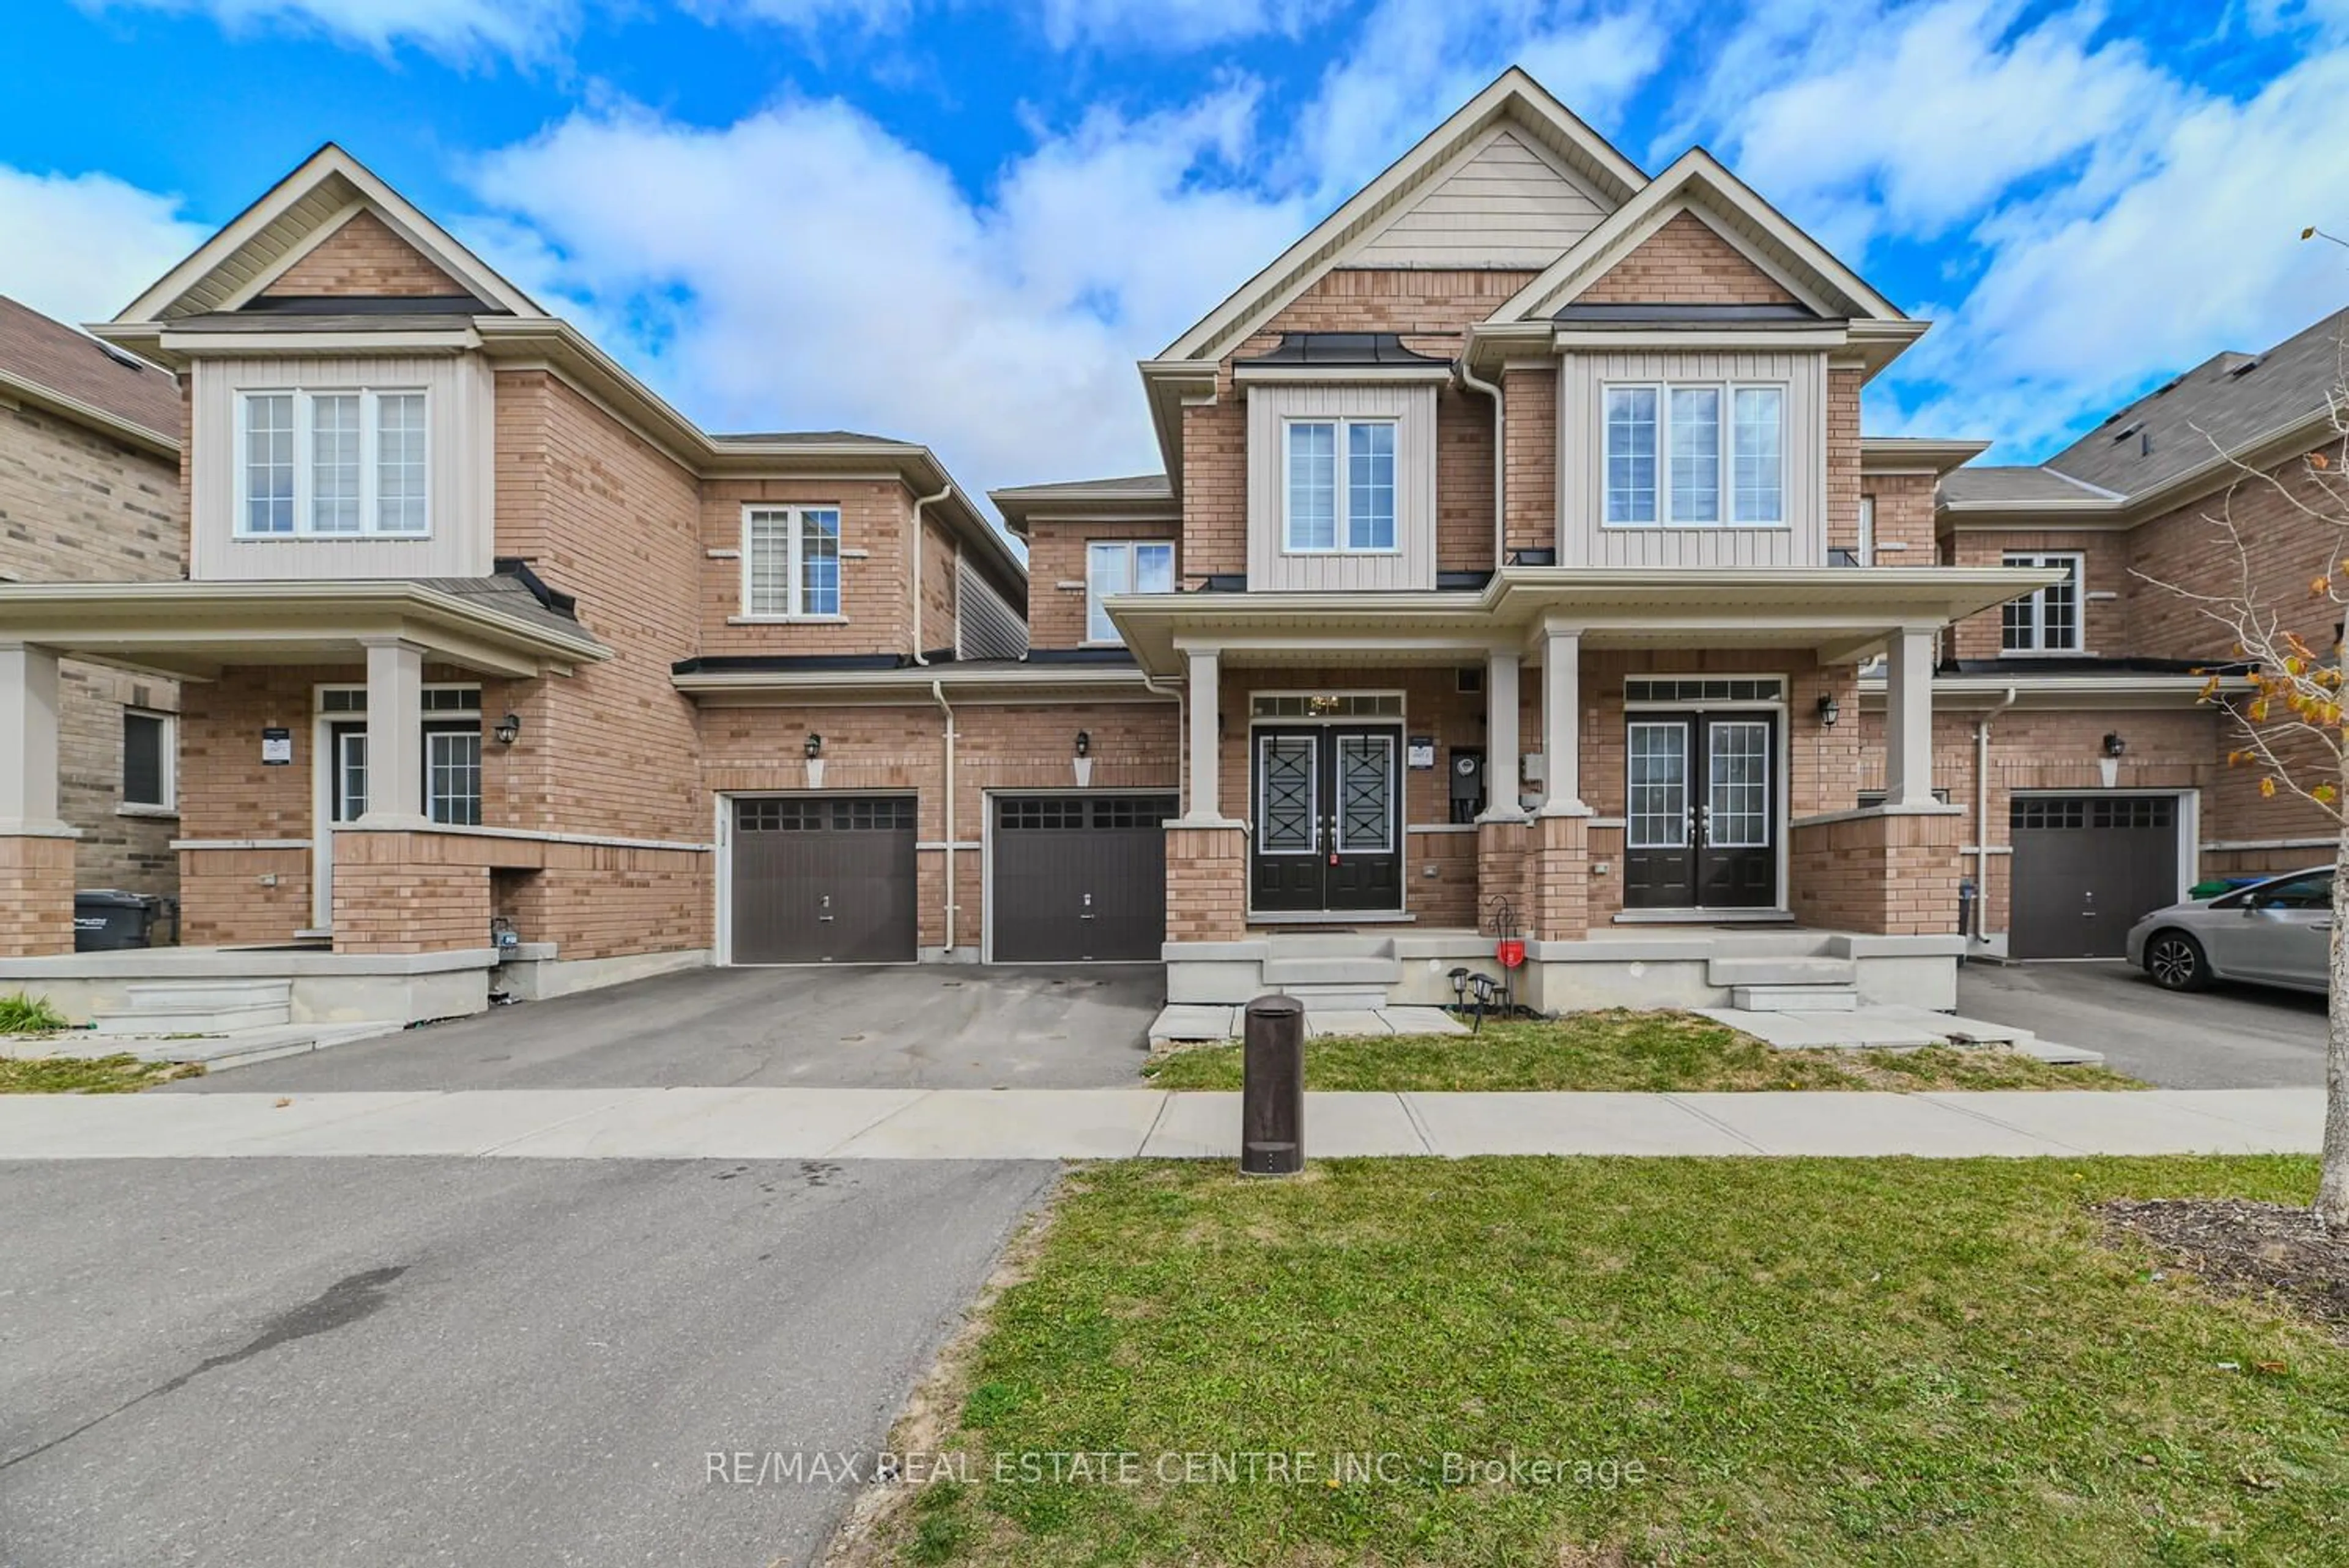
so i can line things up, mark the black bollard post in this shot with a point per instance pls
(1272, 1088)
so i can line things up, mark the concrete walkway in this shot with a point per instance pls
(1126, 1124)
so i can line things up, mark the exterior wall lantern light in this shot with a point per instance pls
(814, 746)
(1829, 709)
(1084, 743)
(508, 729)
(2115, 745)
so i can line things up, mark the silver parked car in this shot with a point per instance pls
(2276, 932)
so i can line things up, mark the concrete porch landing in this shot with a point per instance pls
(1884, 1027)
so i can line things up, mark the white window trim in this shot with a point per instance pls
(1865, 554)
(1726, 455)
(170, 805)
(1339, 425)
(2037, 600)
(304, 432)
(794, 586)
(1131, 549)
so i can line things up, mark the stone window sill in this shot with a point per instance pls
(132, 808)
(786, 620)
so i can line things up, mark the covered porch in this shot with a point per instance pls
(1635, 772)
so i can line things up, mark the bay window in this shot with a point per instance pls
(1339, 486)
(1701, 454)
(1123, 567)
(791, 562)
(342, 462)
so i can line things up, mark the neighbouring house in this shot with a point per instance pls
(1512, 567)
(2070, 724)
(89, 492)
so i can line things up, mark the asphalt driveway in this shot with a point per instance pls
(281, 1362)
(928, 1026)
(2233, 1037)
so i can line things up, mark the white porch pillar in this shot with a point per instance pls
(1203, 764)
(28, 741)
(1503, 754)
(1908, 718)
(395, 734)
(1562, 722)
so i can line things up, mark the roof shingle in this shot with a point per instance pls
(71, 364)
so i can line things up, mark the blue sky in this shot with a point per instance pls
(961, 221)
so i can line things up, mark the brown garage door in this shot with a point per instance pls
(2086, 869)
(824, 881)
(1079, 877)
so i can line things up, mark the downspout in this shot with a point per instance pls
(938, 695)
(920, 660)
(1500, 459)
(1981, 813)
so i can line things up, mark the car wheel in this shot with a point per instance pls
(2175, 961)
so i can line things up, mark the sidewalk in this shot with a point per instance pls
(1126, 1124)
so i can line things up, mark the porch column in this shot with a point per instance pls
(1909, 719)
(395, 734)
(1562, 722)
(36, 849)
(1204, 762)
(1504, 752)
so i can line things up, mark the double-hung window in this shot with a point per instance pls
(1123, 567)
(334, 462)
(2047, 620)
(1695, 454)
(791, 562)
(1339, 486)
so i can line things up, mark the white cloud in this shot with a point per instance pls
(457, 30)
(80, 247)
(1172, 24)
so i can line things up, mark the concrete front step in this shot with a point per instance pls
(1773, 970)
(1286, 973)
(199, 1007)
(1327, 945)
(1795, 998)
(1337, 998)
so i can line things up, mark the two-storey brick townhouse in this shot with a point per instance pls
(1507, 552)
(90, 479)
(2070, 724)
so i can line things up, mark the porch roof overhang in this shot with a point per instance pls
(1841, 613)
(190, 630)
(2091, 694)
(976, 682)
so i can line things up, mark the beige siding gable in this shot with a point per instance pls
(1507, 205)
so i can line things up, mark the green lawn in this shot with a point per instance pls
(1626, 1050)
(1811, 1361)
(121, 1075)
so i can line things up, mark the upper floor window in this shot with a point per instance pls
(1123, 567)
(1695, 454)
(791, 561)
(340, 462)
(2048, 620)
(1339, 486)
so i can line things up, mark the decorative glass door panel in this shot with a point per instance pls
(1327, 833)
(1701, 817)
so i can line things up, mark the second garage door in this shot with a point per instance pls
(1078, 877)
(2086, 869)
(824, 881)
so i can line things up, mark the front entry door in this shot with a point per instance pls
(346, 788)
(1328, 818)
(1702, 831)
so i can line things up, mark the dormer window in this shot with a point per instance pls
(334, 463)
(1341, 489)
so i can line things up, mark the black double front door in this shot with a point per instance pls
(1702, 827)
(1327, 815)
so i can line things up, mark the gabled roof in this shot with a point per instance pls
(82, 378)
(1139, 497)
(1514, 98)
(329, 189)
(1698, 183)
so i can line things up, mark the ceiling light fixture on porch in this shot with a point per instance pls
(2115, 745)
(508, 729)
(1829, 709)
(1084, 743)
(814, 746)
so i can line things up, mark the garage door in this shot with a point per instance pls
(1079, 877)
(824, 881)
(2086, 869)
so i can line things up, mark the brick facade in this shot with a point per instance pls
(1056, 571)
(363, 258)
(1893, 874)
(1529, 487)
(1904, 518)
(1685, 262)
(36, 886)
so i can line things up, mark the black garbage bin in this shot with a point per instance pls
(107, 919)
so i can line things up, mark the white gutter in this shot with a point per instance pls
(1982, 812)
(915, 639)
(938, 695)
(1500, 460)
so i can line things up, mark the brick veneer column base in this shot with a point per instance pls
(408, 893)
(1561, 879)
(37, 897)
(1206, 884)
(1887, 873)
(1503, 864)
